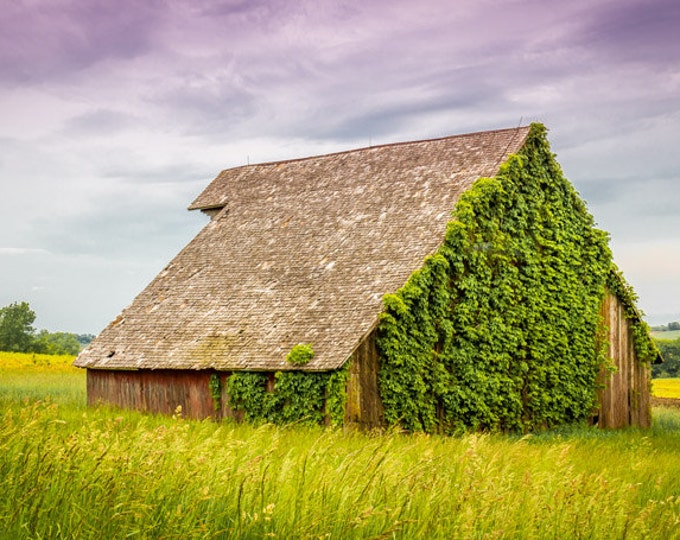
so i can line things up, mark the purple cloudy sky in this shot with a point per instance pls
(115, 114)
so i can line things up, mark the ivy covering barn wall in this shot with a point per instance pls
(498, 330)
(297, 396)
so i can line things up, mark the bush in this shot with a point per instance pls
(670, 350)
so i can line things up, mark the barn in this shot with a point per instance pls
(440, 285)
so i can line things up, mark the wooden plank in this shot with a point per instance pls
(155, 391)
(625, 399)
(364, 406)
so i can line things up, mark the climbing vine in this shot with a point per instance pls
(498, 329)
(302, 397)
(215, 387)
(247, 392)
(336, 395)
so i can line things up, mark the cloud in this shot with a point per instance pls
(207, 105)
(651, 265)
(74, 293)
(127, 221)
(100, 123)
(22, 251)
(634, 31)
(44, 40)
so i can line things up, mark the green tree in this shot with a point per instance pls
(670, 350)
(56, 343)
(85, 339)
(16, 327)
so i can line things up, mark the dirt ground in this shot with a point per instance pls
(665, 402)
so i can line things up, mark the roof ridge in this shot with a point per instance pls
(372, 147)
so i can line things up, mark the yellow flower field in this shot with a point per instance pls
(666, 388)
(10, 361)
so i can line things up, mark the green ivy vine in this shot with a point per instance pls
(336, 395)
(498, 331)
(247, 392)
(215, 387)
(297, 396)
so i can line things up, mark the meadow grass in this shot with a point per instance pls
(68, 471)
(668, 335)
(31, 377)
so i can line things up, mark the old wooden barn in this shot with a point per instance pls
(304, 252)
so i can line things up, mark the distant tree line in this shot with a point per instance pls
(667, 327)
(18, 335)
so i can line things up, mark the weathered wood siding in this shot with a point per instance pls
(625, 398)
(155, 391)
(364, 407)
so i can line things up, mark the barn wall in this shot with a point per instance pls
(364, 407)
(155, 391)
(625, 398)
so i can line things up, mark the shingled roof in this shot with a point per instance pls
(299, 251)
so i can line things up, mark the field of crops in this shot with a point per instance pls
(666, 388)
(668, 335)
(68, 471)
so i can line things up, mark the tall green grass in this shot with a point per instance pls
(667, 335)
(67, 471)
(27, 377)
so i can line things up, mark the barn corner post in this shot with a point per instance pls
(625, 379)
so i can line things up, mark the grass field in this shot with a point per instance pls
(31, 377)
(666, 336)
(71, 472)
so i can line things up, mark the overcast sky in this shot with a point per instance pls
(115, 114)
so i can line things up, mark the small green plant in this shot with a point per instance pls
(300, 354)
